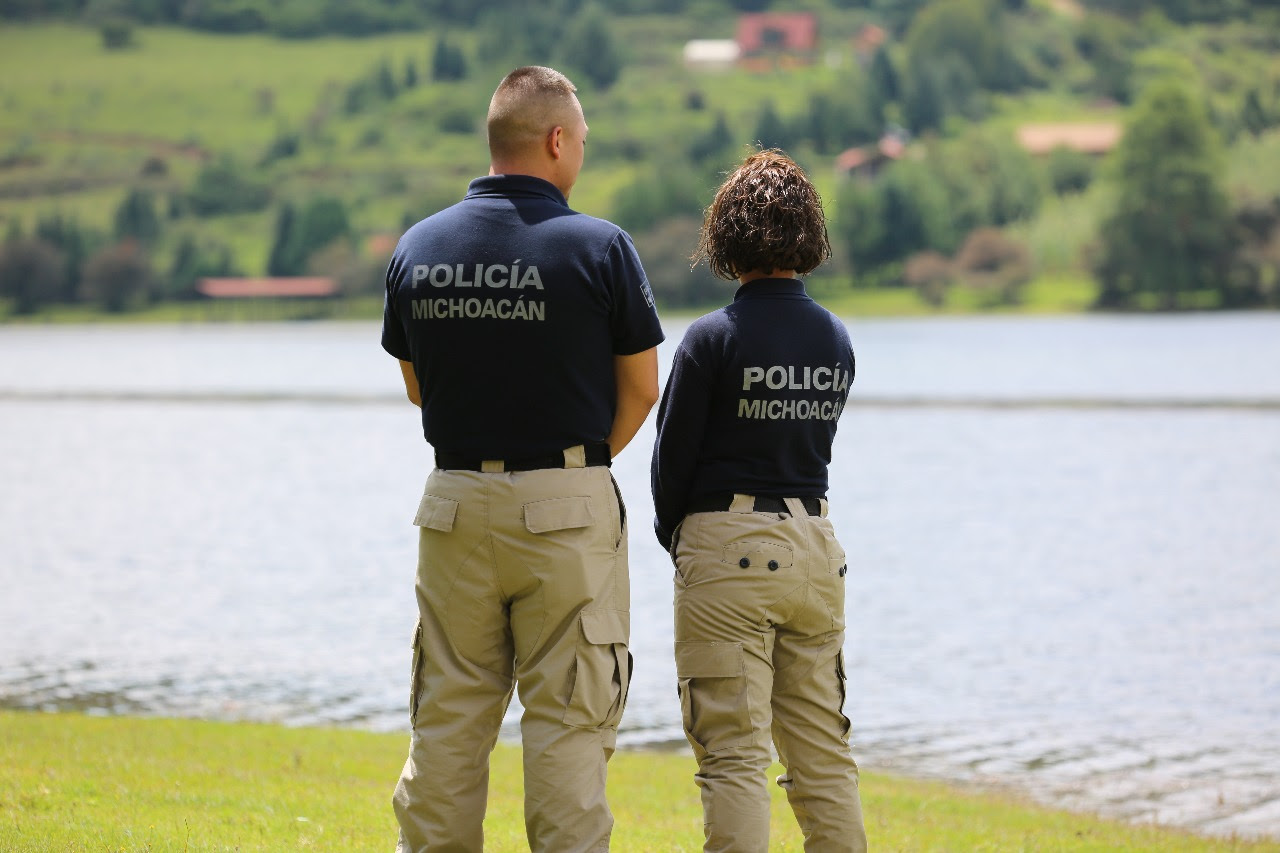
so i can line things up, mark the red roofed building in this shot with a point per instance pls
(777, 34)
(867, 161)
(269, 288)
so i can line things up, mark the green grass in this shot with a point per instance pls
(71, 782)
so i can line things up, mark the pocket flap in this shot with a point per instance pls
(758, 553)
(709, 660)
(603, 627)
(558, 514)
(436, 513)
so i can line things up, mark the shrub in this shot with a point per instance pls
(665, 250)
(118, 278)
(117, 34)
(930, 275)
(995, 264)
(31, 273)
(224, 187)
(1070, 171)
(456, 119)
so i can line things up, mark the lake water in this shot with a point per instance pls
(1064, 540)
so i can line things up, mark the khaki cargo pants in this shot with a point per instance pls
(759, 622)
(522, 580)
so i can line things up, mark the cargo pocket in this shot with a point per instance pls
(436, 513)
(415, 676)
(601, 671)
(845, 725)
(713, 695)
(558, 514)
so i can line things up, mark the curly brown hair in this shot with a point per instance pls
(766, 216)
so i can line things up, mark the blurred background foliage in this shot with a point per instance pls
(145, 144)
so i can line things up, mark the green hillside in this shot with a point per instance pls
(188, 146)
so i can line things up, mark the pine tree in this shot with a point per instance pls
(1170, 232)
(589, 46)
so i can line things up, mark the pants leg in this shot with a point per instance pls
(811, 735)
(810, 729)
(562, 557)
(724, 664)
(463, 674)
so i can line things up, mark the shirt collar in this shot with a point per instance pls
(787, 288)
(509, 185)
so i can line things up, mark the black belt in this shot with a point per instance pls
(721, 503)
(597, 454)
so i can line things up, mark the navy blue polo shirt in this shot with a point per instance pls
(511, 307)
(752, 402)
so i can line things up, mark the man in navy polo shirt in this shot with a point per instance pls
(527, 333)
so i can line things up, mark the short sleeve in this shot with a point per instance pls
(393, 336)
(633, 321)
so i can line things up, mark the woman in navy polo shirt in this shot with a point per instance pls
(739, 479)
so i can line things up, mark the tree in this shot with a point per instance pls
(448, 62)
(666, 250)
(839, 118)
(224, 187)
(657, 195)
(194, 260)
(971, 31)
(136, 217)
(298, 236)
(713, 143)
(74, 244)
(1106, 44)
(771, 132)
(884, 77)
(589, 46)
(118, 278)
(386, 82)
(1253, 118)
(30, 273)
(1170, 231)
(859, 225)
(904, 212)
(283, 259)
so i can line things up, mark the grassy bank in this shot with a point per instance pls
(70, 782)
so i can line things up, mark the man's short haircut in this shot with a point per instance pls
(765, 216)
(526, 105)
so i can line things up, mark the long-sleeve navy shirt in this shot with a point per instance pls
(752, 402)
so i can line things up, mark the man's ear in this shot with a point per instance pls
(554, 139)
